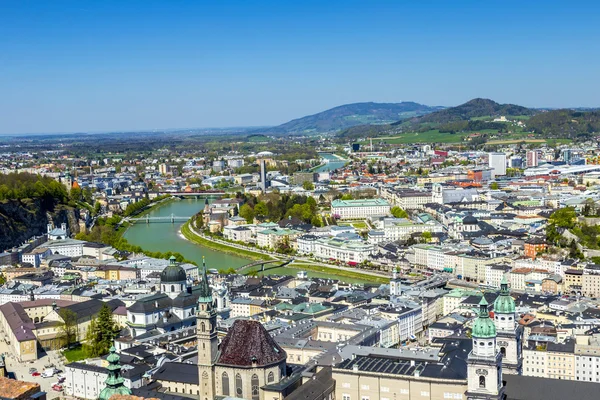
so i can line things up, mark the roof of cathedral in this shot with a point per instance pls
(173, 273)
(484, 327)
(504, 303)
(248, 342)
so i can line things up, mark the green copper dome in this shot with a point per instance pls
(114, 381)
(483, 327)
(504, 303)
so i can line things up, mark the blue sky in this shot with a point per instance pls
(126, 65)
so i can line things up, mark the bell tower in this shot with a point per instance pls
(206, 332)
(484, 364)
(509, 332)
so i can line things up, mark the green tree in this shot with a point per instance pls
(316, 221)
(563, 218)
(494, 186)
(398, 212)
(91, 346)
(347, 196)
(97, 208)
(87, 195)
(107, 329)
(2, 279)
(308, 185)
(68, 327)
(261, 209)
(75, 194)
(247, 213)
(426, 236)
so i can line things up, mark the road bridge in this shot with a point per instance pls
(169, 218)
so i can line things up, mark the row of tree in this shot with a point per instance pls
(22, 185)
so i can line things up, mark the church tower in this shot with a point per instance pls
(206, 332)
(206, 212)
(509, 332)
(484, 364)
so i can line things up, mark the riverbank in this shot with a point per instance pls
(189, 234)
(333, 273)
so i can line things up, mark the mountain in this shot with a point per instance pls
(472, 109)
(349, 115)
(566, 123)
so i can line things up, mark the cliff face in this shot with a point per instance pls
(22, 219)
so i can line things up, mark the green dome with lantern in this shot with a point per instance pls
(504, 303)
(115, 384)
(483, 327)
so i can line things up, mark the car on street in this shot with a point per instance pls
(57, 387)
(35, 373)
(32, 370)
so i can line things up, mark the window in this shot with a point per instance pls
(202, 327)
(482, 381)
(172, 288)
(364, 387)
(385, 389)
(270, 377)
(345, 397)
(255, 385)
(424, 394)
(225, 383)
(345, 385)
(503, 351)
(238, 385)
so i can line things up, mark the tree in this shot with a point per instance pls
(347, 196)
(87, 195)
(247, 213)
(107, 329)
(261, 209)
(91, 346)
(75, 194)
(426, 236)
(494, 186)
(316, 221)
(68, 328)
(2, 279)
(563, 218)
(97, 208)
(398, 212)
(308, 185)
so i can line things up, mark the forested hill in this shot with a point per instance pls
(566, 123)
(472, 109)
(349, 115)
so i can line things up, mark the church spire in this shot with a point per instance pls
(205, 295)
(114, 382)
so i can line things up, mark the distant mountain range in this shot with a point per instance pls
(354, 114)
(376, 119)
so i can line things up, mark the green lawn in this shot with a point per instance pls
(424, 137)
(75, 354)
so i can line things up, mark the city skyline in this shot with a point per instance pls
(110, 66)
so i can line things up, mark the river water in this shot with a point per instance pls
(334, 163)
(164, 236)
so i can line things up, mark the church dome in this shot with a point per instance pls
(469, 220)
(483, 327)
(173, 273)
(504, 303)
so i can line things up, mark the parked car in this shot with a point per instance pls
(35, 373)
(32, 370)
(57, 388)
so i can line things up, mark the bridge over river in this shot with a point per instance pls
(168, 218)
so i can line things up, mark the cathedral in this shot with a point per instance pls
(247, 359)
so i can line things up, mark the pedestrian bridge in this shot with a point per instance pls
(169, 218)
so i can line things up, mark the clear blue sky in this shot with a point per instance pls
(125, 65)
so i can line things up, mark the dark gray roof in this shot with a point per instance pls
(92, 307)
(520, 387)
(18, 321)
(178, 372)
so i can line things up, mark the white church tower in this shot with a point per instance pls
(484, 364)
(509, 332)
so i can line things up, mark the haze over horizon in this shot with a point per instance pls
(124, 66)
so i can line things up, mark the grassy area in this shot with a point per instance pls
(75, 354)
(430, 136)
(340, 272)
(192, 237)
(511, 141)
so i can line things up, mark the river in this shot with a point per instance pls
(334, 163)
(164, 236)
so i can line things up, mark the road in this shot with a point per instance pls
(21, 369)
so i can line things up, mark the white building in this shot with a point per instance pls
(36, 256)
(393, 229)
(349, 251)
(359, 209)
(66, 247)
(497, 162)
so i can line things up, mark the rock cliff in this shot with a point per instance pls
(22, 219)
